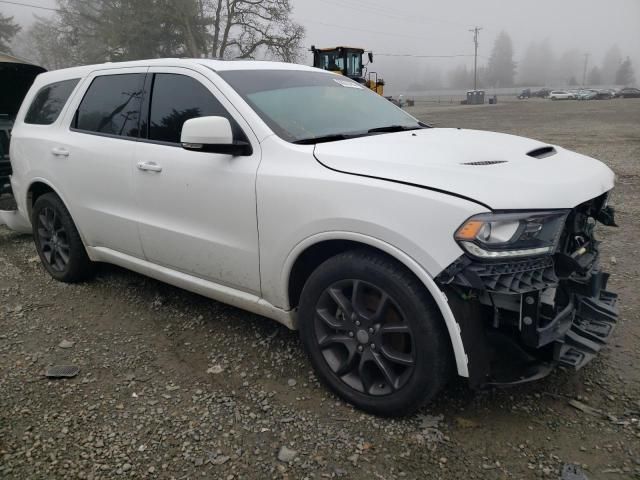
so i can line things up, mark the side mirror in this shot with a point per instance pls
(214, 135)
(370, 55)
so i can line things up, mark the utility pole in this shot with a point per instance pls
(584, 72)
(475, 57)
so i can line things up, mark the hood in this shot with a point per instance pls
(500, 171)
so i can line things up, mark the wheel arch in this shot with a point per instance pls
(37, 188)
(40, 186)
(310, 253)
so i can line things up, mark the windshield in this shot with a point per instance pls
(303, 106)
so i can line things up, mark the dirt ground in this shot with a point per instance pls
(173, 385)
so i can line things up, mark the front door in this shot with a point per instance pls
(197, 210)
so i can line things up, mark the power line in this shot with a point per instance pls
(20, 4)
(420, 56)
(382, 11)
(351, 28)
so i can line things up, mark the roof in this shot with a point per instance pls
(328, 49)
(215, 65)
(194, 63)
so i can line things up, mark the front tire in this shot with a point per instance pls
(374, 334)
(58, 242)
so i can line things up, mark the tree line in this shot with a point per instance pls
(94, 31)
(539, 66)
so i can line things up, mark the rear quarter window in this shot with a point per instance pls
(48, 102)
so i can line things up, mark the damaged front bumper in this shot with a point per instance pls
(519, 319)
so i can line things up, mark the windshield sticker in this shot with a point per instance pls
(347, 83)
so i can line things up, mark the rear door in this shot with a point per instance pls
(93, 159)
(196, 210)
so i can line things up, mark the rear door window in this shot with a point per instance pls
(111, 105)
(177, 98)
(48, 102)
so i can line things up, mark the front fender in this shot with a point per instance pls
(438, 295)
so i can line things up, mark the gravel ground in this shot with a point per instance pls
(173, 385)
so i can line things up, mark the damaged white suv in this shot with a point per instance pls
(402, 253)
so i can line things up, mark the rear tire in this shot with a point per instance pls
(374, 334)
(58, 242)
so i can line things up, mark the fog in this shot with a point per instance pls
(429, 28)
(421, 27)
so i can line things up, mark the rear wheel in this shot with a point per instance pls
(57, 240)
(374, 334)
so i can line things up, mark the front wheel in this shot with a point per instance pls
(57, 240)
(374, 334)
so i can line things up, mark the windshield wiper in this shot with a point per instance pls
(395, 128)
(326, 138)
(334, 137)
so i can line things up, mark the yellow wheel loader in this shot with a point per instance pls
(347, 61)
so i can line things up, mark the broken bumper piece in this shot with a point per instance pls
(14, 220)
(519, 320)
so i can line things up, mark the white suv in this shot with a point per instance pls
(402, 253)
(561, 95)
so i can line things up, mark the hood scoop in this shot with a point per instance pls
(542, 152)
(484, 162)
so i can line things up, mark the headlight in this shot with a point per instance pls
(508, 235)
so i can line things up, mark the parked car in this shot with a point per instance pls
(561, 95)
(587, 94)
(606, 94)
(629, 93)
(16, 77)
(402, 253)
(526, 93)
(542, 93)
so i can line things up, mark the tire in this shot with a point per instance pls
(58, 242)
(413, 346)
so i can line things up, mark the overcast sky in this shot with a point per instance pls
(425, 27)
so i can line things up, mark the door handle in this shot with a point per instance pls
(149, 167)
(60, 152)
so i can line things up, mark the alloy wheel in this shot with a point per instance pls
(53, 239)
(364, 337)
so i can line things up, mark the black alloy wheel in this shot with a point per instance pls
(57, 240)
(364, 337)
(53, 239)
(373, 333)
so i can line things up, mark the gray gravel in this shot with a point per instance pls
(173, 385)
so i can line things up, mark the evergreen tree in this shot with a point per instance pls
(625, 75)
(8, 30)
(537, 65)
(611, 63)
(501, 68)
(595, 76)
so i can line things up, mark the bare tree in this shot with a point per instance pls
(111, 30)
